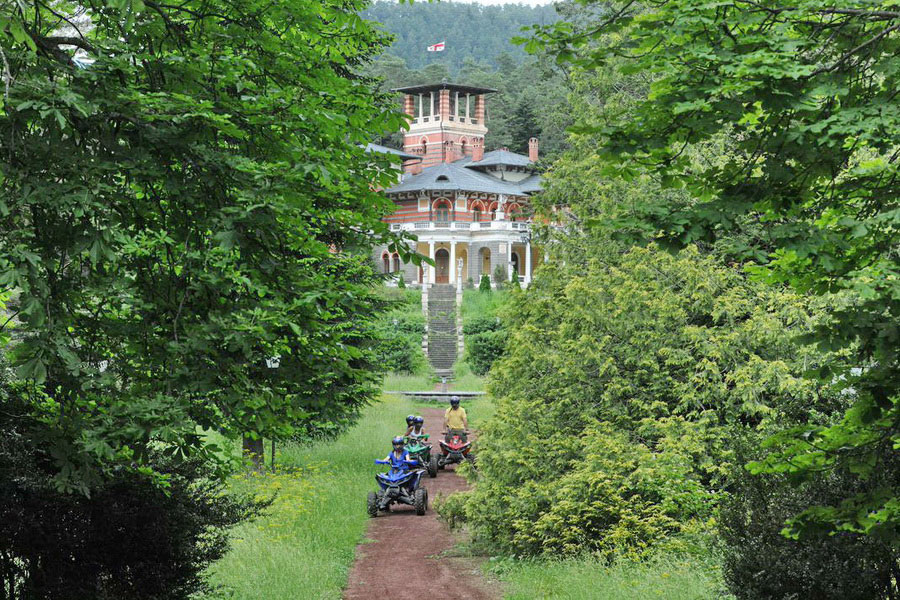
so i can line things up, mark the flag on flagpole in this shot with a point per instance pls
(439, 47)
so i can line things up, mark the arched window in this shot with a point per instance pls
(513, 212)
(462, 147)
(385, 263)
(396, 263)
(424, 144)
(476, 215)
(441, 211)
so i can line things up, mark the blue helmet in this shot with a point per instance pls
(410, 419)
(397, 441)
(419, 419)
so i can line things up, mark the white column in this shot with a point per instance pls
(467, 108)
(509, 263)
(431, 272)
(527, 263)
(452, 262)
(421, 108)
(456, 107)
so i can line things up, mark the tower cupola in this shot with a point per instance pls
(447, 122)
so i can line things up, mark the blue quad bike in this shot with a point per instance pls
(398, 485)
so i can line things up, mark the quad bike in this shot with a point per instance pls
(421, 451)
(401, 485)
(454, 451)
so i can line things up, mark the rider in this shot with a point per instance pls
(455, 421)
(410, 421)
(416, 431)
(399, 457)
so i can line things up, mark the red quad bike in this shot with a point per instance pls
(452, 452)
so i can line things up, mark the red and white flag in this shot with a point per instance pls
(439, 47)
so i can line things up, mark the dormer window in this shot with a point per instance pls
(442, 178)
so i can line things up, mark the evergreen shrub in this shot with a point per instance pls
(614, 397)
(485, 284)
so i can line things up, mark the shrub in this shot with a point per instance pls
(612, 363)
(482, 349)
(500, 276)
(761, 564)
(134, 538)
(514, 282)
(485, 284)
(481, 323)
(400, 283)
(470, 284)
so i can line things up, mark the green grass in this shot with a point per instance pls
(663, 578)
(481, 303)
(304, 546)
(408, 383)
(464, 380)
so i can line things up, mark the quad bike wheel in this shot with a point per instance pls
(421, 501)
(372, 504)
(470, 458)
(433, 466)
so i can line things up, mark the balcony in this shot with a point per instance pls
(474, 227)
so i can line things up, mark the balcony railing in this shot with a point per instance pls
(462, 225)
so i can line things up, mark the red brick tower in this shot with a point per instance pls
(447, 122)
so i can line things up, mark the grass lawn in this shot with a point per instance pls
(663, 578)
(304, 546)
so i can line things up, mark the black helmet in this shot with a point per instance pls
(419, 419)
(410, 419)
(397, 441)
(454, 400)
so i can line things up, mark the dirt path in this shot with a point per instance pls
(404, 562)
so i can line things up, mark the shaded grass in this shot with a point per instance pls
(664, 577)
(304, 546)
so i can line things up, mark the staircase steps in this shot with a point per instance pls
(442, 332)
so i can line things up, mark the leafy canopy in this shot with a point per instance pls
(183, 195)
(802, 95)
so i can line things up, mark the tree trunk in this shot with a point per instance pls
(253, 449)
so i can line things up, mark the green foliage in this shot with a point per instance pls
(760, 564)
(400, 283)
(500, 278)
(482, 349)
(208, 208)
(485, 336)
(802, 101)
(615, 394)
(400, 331)
(485, 284)
(470, 284)
(131, 539)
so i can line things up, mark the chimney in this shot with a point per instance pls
(477, 149)
(533, 149)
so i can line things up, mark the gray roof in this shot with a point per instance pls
(386, 150)
(455, 177)
(530, 185)
(429, 87)
(502, 157)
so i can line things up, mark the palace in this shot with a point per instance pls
(468, 209)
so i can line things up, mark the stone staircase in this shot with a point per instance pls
(442, 333)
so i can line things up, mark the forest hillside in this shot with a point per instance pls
(470, 31)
